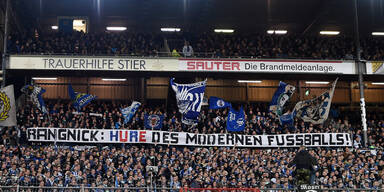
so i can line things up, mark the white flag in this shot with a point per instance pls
(316, 110)
(7, 107)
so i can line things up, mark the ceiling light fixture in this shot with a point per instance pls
(277, 32)
(170, 29)
(377, 83)
(44, 78)
(224, 30)
(281, 32)
(105, 79)
(317, 82)
(378, 33)
(116, 28)
(329, 32)
(249, 81)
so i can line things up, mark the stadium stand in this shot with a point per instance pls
(110, 52)
(37, 164)
(78, 43)
(182, 167)
(34, 164)
(204, 45)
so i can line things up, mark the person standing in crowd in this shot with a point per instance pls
(175, 53)
(187, 50)
(305, 163)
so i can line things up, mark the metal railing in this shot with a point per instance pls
(161, 189)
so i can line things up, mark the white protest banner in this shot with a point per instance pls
(69, 135)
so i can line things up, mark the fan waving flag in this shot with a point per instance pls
(316, 110)
(130, 111)
(34, 93)
(236, 120)
(7, 107)
(79, 99)
(153, 121)
(281, 96)
(189, 98)
(218, 103)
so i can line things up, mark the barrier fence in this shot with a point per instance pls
(159, 189)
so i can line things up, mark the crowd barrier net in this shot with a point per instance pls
(156, 189)
(219, 190)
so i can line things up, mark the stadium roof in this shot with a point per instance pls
(299, 16)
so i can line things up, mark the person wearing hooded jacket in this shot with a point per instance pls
(305, 166)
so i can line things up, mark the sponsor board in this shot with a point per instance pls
(91, 63)
(268, 66)
(88, 63)
(43, 134)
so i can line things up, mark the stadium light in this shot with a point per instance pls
(249, 81)
(224, 30)
(105, 79)
(281, 32)
(45, 78)
(329, 32)
(278, 32)
(317, 82)
(377, 33)
(54, 27)
(377, 83)
(116, 28)
(170, 29)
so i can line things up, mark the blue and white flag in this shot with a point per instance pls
(35, 94)
(287, 118)
(189, 98)
(236, 120)
(218, 103)
(153, 121)
(316, 110)
(130, 111)
(281, 96)
(79, 99)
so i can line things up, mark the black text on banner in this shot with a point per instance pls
(188, 139)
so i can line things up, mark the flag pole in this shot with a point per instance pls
(49, 118)
(360, 71)
(3, 68)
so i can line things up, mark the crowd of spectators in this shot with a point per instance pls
(79, 43)
(193, 167)
(203, 45)
(107, 115)
(283, 46)
(32, 164)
